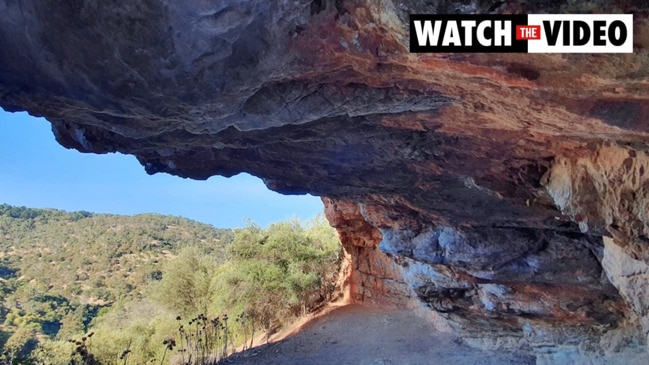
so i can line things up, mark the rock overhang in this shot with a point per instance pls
(481, 184)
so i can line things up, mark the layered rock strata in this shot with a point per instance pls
(506, 192)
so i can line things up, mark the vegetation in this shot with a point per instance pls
(83, 288)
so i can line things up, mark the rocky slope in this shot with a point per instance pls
(506, 192)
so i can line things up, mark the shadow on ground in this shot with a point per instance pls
(358, 335)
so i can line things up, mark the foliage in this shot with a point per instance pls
(19, 346)
(53, 352)
(130, 281)
(279, 273)
(186, 285)
(59, 269)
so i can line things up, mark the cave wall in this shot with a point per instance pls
(506, 193)
(374, 278)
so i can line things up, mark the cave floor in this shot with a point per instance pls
(355, 334)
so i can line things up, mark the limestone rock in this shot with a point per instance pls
(478, 184)
(630, 277)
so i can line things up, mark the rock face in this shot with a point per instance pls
(480, 185)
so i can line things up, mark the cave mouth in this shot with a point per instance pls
(38, 173)
(504, 193)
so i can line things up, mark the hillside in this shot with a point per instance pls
(127, 278)
(508, 192)
(95, 258)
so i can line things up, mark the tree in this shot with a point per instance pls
(186, 285)
(53, 352)
(280, 271)
(19, 346)
(71, 326)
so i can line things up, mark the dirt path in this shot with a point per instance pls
(358, 335)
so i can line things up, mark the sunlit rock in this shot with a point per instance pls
(476, 185)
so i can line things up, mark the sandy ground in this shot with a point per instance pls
(354, 334)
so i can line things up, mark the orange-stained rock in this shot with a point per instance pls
(374, 278)
(480, 185)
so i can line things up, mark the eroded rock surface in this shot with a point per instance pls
(478, 184)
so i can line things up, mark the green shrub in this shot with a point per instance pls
(138, 274)
(19, 346)
(53, 352)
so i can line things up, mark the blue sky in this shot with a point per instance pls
(37, 172)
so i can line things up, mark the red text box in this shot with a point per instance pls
(527, 32)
